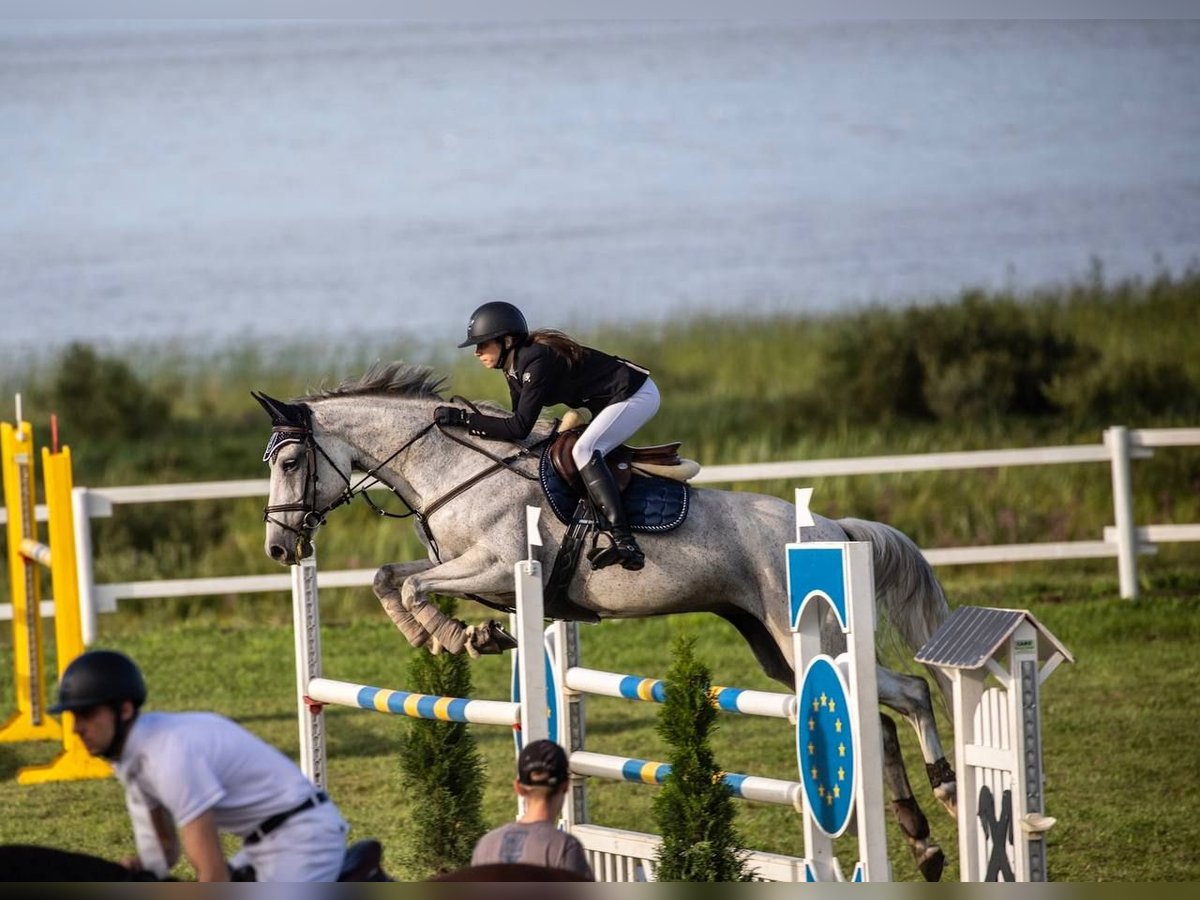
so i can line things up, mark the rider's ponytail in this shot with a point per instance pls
(559, 343)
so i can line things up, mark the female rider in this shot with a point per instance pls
(546, 367)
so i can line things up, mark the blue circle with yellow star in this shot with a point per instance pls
(825, 746)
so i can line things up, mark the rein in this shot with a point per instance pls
(314, 518)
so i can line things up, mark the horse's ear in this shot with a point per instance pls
(282, 413)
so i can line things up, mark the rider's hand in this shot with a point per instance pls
(450, 415)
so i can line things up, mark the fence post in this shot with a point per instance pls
(1116, 439)
(306, 627)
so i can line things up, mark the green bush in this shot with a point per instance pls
(1125, 391)
(978, 360)
(873, 370)
(694, 810)
(442, 766)
(101, 397)
(990, 357)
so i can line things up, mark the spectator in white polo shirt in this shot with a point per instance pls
(190, 777)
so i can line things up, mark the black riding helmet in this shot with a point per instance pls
(100, 677)
(494, 320)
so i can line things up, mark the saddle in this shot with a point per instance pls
(656, 501)
(662, 460)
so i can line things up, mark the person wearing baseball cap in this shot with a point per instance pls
(543, 779)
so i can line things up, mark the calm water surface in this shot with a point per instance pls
(268, 180)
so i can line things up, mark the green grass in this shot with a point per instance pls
(1119, 725)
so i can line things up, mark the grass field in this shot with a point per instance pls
(1121, 756)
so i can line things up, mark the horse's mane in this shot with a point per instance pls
(400, 379)
(397, 379)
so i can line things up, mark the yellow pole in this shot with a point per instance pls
(31, 722)
(74, 762)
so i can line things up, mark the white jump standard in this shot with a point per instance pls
(998, 743)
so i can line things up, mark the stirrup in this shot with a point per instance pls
(627, 553)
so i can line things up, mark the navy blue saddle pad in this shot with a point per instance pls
(651, 503)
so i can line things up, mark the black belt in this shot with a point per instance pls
(269, 825)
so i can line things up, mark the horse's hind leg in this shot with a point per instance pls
(909, 696)
(928, 855)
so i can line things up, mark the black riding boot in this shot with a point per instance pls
(602, 488)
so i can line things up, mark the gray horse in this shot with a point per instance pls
(468, 498)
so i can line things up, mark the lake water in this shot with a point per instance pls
(211, 183)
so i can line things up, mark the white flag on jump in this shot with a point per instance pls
(532, 514)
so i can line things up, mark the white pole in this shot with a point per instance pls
(1116, 439)
(85, 572)
(872, 835)
(531, 674)
(306, 628)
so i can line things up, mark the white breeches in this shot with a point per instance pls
(308, 847)
(616, 424)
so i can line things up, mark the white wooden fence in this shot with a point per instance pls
(1124, 540)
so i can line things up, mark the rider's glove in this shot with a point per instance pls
(450, 415)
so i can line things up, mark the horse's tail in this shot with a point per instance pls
(909, 598)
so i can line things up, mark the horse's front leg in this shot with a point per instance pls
(388, 581)
(476, 571)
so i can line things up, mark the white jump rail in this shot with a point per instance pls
(1124, 540)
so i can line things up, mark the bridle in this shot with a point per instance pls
(314, 516)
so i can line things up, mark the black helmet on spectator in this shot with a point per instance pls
(494, 320)
(100, 677)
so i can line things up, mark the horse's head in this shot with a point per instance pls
(307, 480)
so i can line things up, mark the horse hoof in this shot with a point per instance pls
(499, 636)
(932, 863)
(490, 638)
(947, 795)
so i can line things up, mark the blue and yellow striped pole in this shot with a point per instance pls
(414, 706)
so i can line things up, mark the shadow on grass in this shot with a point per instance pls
(16, 756)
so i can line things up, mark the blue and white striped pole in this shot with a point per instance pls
(414, 706)
(654, 690)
